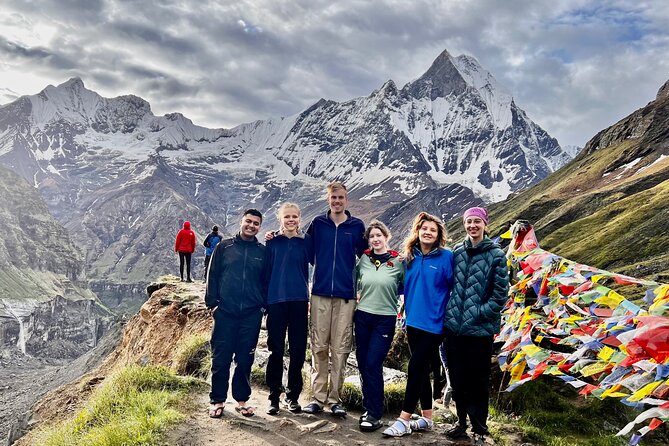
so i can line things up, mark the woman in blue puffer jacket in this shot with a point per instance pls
(472, 320)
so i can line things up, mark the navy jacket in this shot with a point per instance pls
(236, 282)
(288, 268)
(335, 251)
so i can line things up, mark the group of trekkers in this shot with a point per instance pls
(452, 300)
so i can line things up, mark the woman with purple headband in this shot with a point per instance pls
(472, 320)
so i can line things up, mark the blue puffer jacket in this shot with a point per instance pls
(480, 289)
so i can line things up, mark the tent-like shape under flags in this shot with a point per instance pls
(567, 320)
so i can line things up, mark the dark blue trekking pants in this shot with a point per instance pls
(373, 336)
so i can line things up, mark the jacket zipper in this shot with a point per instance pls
(462, 302)
(334, 258)
(246, 249)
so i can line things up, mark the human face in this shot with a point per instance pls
(428, 234)
(337, 199)
(475, 228)
(377, 241)
(290, 220)
(249, 226)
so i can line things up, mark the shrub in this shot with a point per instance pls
(193, 356)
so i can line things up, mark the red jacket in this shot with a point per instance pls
(185, 241)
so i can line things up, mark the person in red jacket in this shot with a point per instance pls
(185, 246)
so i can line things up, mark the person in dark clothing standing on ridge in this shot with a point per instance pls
(288, 256)
(338, 238)
(237, 295)
(209, 245)
(472, 319)
(185, 246)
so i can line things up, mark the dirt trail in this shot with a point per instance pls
(287, 429)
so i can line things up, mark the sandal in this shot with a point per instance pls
(421, 424)
(216, 410)
(399, 428)
(369, 424)
(246, 411)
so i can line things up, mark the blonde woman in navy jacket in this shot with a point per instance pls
(427, 283)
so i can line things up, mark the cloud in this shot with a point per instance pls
(575, 66)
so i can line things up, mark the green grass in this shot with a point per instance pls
(393, 397)
(545, 412)
(132, 407)
(193, 356)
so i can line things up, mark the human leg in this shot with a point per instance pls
(321, 315)
(222, 349)
(341, 343)
(188, 258)
(248, 329)
(207, 259)
(297, 345)
(182, 259)
(277, 323)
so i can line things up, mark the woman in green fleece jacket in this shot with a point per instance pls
(380, 275)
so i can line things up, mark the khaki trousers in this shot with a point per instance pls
(331, 329)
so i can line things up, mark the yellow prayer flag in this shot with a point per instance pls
(611, 299)
(644, 391)
(605, 353)
(593, 369)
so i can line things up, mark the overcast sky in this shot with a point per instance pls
(575, 67)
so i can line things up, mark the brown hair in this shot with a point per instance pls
(377, 224)
(412, 240)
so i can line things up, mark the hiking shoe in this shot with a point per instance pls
(273, 408)
(479, 440)
(312, 408)
(457, 431)
(338, 410)
(421, 424)
(292, 405)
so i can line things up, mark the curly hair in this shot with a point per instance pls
(412, 240)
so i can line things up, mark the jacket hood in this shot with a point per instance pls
(186, 225)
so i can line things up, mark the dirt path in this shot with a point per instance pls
(286, 429)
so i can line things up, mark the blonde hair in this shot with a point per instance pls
(335, 186)
(413, 240)
(282, 209)
(377, 224)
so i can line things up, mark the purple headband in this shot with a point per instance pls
(476, 212)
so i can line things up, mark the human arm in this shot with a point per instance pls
(497, 288)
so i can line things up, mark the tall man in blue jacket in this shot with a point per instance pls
(236, 293)
(338, 238)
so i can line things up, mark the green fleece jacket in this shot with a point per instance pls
(379, 287)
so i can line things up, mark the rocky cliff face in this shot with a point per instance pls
(122, 180)
(45, 306)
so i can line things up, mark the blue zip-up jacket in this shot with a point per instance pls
(335, 251)
(236, 281)
(427, 284)
(288, 268)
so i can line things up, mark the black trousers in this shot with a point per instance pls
(184, 257)
(423, 346)
(469, 368)
(207, 259)
(282, 317)
(233, 337)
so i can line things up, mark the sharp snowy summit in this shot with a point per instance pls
(122, 179)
